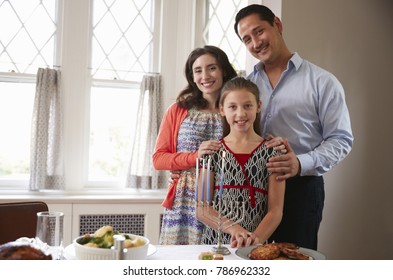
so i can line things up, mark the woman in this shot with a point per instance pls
(190, 128)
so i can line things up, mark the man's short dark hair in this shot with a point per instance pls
(264, 14)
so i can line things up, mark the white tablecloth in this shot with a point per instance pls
(186, 252)
(170, 252)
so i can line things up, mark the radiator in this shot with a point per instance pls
(123, 223)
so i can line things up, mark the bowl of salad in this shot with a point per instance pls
(101, 245)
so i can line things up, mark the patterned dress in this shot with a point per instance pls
(179, 224)
(245, 181)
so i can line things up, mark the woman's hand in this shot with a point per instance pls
(208, 147)
(174, 175)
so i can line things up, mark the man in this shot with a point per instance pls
(307, 105)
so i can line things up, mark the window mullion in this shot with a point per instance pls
(75, 89)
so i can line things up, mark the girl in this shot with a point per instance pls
(246, 178)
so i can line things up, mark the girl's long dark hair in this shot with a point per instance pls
(191, 96)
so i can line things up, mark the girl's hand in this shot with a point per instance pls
(244, 239)
(208, 147)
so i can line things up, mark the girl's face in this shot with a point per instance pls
(207, 75)
(240, 108)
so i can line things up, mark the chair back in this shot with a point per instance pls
(19, 219)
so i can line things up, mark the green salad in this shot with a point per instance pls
(103, 238)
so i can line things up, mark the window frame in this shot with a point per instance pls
(179, 32)
(120, 84)
(13, 77)
(77, 156)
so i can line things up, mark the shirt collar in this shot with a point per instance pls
(295, 61)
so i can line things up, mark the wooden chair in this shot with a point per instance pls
(19, 219)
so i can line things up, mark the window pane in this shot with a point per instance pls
(219, 30)
(27, 35)
(27, 42)
(122, 45)
(112, 123)
(16, 108)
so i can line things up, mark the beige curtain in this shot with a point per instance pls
(46, 166)
(141, 174)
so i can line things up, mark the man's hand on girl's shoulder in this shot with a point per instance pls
(288, 164)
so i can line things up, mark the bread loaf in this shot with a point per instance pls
(17, 251)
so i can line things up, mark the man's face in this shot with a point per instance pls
(260, 38)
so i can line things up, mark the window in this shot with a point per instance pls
(218, 30)
(122, 51)
(102, 48)
(105, 49)
(27, 41)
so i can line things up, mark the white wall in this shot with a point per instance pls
(178, 29)
(353, 39)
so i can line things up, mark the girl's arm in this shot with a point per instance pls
(240, 237)
(275, 210)
(207, 214)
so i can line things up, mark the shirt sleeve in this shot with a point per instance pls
(165, 156)
(336, 132)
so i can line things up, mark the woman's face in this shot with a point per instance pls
(208, 76)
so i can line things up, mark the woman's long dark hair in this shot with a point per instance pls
(191, 96)
(236, 84)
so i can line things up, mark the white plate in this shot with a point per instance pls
(69, 251)
(315, 255)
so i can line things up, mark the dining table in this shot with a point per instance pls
(176, 252)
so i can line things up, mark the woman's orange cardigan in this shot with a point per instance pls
(165, 156)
